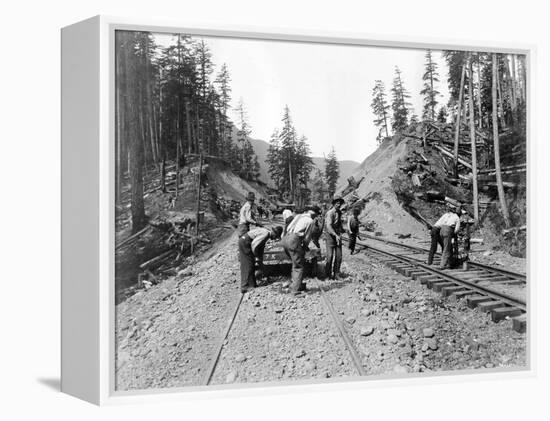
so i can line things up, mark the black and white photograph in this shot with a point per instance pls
(291, 211)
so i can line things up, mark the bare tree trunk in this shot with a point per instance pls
(178, 129)
(497, 146)
(199, 138)
(458, 112)
(136, 140)
(188, 126)
(119, 121)
(500, 102)
(199, 195)
(473, 142)
(480, 115)
(511, 91)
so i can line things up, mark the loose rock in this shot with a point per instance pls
(428, 333)
(231, 377)
(366, 331)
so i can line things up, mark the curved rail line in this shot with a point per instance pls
(460, 284)
(515, 275)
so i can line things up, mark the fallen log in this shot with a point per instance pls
(132, 237)
(514, 229)
(450, 155)
(157, 259)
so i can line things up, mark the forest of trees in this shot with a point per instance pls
(463, 67)
(487, 95)
(169, 106)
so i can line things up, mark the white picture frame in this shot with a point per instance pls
(88, 212)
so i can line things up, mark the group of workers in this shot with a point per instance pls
(299, 231)
(306, 227)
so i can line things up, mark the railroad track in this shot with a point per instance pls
(339, 325)
(513, 276)
(473, 285)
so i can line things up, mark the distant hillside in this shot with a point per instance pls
(261, 147)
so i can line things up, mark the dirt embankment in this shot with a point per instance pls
(381, 208)
(171, 233)
(396, 182)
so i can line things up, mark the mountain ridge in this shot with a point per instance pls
(347, 167)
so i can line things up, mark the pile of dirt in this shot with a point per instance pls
(381, 209)
(404, 187)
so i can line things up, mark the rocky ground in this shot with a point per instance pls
(166, 335)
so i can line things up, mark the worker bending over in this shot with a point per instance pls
(248, 215)
(296, 242)
(443, 232)
(333, 233)
(251, 246)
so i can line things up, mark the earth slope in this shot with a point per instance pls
(381, 203)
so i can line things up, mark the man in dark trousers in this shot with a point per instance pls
(442, 233)
(296, 242)
(353, 229)
(251, 246)
(333, 239)
(247, 215)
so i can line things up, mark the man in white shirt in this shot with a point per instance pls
(295, 243)
(443, 232)
(247, 215)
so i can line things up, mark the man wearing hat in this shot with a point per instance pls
(333, 232)
(251, 247)
(443, 232)
(296, 242)
(247, 215)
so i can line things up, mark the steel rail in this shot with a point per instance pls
(505, 298)
(342, 332)
(210, 372)
(516, 275)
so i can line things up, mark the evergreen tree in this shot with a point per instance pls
(273, 160)
(244, 164)
(332, 171)
(222, 81)
(429, 92)
(400, 105)
(289, 162)
(380, 109)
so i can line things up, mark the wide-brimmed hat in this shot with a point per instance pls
(314, 208)
(250, 196)
(338, 199)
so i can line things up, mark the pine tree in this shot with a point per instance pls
(273, 160)
(429, 92)
(243, 134)
(133, 135)
(380, 109)
(332, 171)
(400, 105)
(222, 81)
(289, 162)
(287, 138)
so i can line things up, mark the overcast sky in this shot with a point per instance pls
(328, 88)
